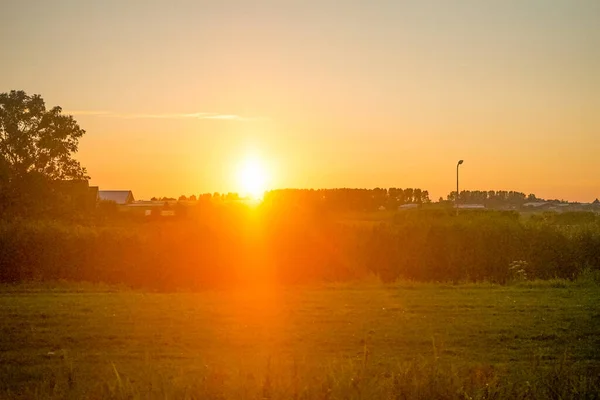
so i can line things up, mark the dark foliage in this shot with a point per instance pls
(36, 156)
(219, 245)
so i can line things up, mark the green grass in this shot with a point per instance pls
(347, 341)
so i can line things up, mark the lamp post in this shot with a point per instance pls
(457, 192)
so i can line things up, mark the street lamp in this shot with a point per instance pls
(457, 165)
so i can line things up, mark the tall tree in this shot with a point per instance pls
(417, 195)
(34, 139)
(408, 195)
(36, 148)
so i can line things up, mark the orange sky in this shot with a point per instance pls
(174, 95)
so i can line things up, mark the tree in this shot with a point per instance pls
(417, 195)
(392, 198)
(408, 195)
(33, 139)
(182, 198)
(232, 196)
(36, 150)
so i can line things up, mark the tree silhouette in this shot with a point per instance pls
(417, 195)
(408, 195)
(36, 152)
(36, 140)
(493, 198)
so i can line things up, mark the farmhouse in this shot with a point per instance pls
(121, 197)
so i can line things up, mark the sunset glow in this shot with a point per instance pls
(252, 178)
(270, 199)
(170, 94)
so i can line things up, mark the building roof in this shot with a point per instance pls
(535, 204)
(118, 196)
(471, 206)
(147, 203)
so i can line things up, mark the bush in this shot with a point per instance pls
(223, 246)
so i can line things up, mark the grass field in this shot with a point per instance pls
(369, 341)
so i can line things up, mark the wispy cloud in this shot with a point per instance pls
(88, 112)
(196, 115)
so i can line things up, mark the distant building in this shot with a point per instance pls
(151, 203)
(121, 197)
(536, 204)
(471, 206)
(156, 207)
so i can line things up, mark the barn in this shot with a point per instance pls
(122, 197)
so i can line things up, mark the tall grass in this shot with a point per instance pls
(238, 246)
(341, 379)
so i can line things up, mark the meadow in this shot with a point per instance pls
(408, 340)
(281, 301)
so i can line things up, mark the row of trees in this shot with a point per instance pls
(389, 198)
(493, 197)
(371, 199)
(231, 196)
(334, 199)
(349, 199)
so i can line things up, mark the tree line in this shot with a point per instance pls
(493, 197)
(347, 199)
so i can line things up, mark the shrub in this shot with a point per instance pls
(221, 245)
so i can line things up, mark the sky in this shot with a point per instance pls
(176, 95)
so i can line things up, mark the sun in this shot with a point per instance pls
(253, 178)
